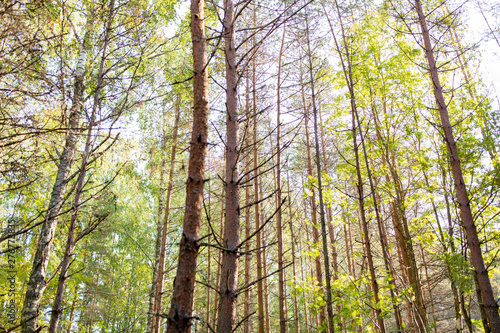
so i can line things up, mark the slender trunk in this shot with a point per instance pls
(181, 308)
(258, 241)
(304, 295)
(72, 311)
(364, 225)
(36, 283)
(304, 264)
(155, 327)
(209, 276)
(279, 227)
(473, 242)
(159, 228)
(314, 213)
(293, 241)
(431, 298)
(247, 302)
(330, 326)
(219, 264)
(379, 225)
(346, 241)
(347, 68)
(159, 225)
(70, 243)
(329, 212)
(402, 233)
(266, 284)
(229, 276)
(456, 298)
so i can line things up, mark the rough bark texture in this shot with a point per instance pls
(229, 276)
(473, 242)
(36, 283)
(181, 308)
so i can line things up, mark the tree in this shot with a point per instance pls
(461, 191)
(181, 307)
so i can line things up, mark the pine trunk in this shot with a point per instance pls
(181, 308)
(473, 242)
(279, 226)
(228, 287)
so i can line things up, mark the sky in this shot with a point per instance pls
(489, 50)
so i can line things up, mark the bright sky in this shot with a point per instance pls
(489, 50)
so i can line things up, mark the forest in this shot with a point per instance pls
(249, 166)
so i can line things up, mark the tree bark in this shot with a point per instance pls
(258, 236)
(473, 242)
(36, 283)
(279, 224)
(247, 301)
(181, 308)
(70, 243)
(229, 276)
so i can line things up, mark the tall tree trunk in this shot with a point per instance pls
(258, 241)
(314, 212)
(294, 269)
(473, 242)
(229, 275)
(279, 226)
(36, 283)
(155, 327)
(364, 225)
(329, 212)
(209, 276)
(330, 326)
(456, 297)
(347, 68)
(159, 223)
(266, 282)
(181, 308)
(402, 233)
(159, 228)
(71, 242)
(429, 288)
(247, 301)
(383, 245)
